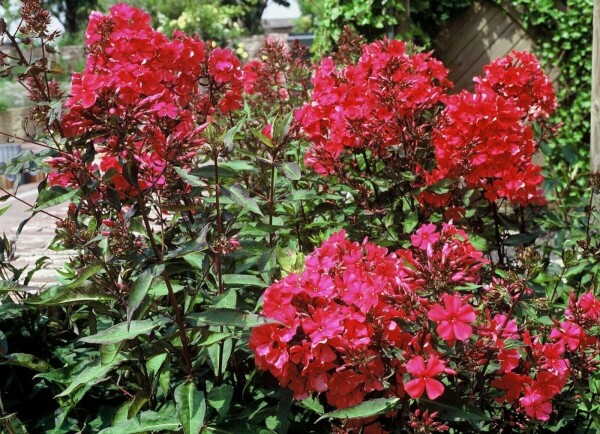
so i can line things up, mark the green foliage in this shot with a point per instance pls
(375, 20)
(562, 32)
(106, 350)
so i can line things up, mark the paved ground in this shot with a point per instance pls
(37, 234)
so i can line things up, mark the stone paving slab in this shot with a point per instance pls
(35, 237)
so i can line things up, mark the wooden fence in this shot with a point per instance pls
(483, 33)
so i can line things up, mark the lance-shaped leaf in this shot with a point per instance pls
(454, 411)
(191, 407)
(220, 397)
(188, 178)
(56, 295)
(240, 196)
(94, 373)
(229, 317)
(124, 331)
(140, 289)
(84, 275)
(230, 134)
(243, 280)
(54, 196)
(291, 170)
(27, 361)
(146, 422)
(364, 409)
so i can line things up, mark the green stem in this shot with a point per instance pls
(272, 202)
(179, 319)
(217, 260)
(498, 236)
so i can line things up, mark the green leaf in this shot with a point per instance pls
(190, 179)
(94, 373)
(192, 246)
(454, 412)
(10, 286)
(442, 186)
(229, 317)
(56, 295)
(313, 404)
(146, 422)
(191, 407)
(520, 239)
(4, 209)
(290, 261)
(230, 134)
(291, 170)
(84, 275)
(364, 409)
(27, 361)
(212, 338)
(159, 288)
(155, 363)
(131, 173)
(410, 222)
(281, 127)
(240, 196)
(219, 398)
(137, 403)
(11, 424)
(53, 196)
(243, 280)
(264, 139)
(124, 331)
(108, 352)
(195, 259)
(207, 171)
(140, 289)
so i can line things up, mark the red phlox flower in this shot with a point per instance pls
(552, 358)
(223, 65)
(453, 319)
(508, 358)
(425, 236)
(519, 76)
(322, 325)
(536, 406)
(425, 381)
(345, 389)
(513, 384)
(568, 334)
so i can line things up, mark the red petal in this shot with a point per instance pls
(415, 388)
(462, 331)
(416, 366)
(444, 329)
(438, 313)
(434, 388)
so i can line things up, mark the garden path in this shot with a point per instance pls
(35, 237)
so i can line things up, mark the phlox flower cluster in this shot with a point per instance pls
(378, 103)
(395, 105)
(337, 324)
(486, 139)
(279, 77)
(535, 366)
(142, 100)
(360, 322)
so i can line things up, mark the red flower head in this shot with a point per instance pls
(453, 319)
(424, 380)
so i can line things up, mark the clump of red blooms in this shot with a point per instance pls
(279, 77)
(142, 101)
(396, 106)
(361, 322)
(371, 105)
